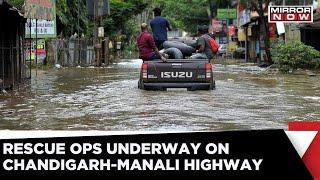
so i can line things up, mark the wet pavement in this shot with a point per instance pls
(108, 99)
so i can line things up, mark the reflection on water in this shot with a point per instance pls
(108, 99)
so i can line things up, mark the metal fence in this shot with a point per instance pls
(13, 69)
(6, 65)
(71, 52)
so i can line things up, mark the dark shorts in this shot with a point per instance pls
(154, 56)
(159, 44)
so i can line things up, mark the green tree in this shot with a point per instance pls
(122, 11)
(185, 14)
(72, 17)
(17, 3)
(188, 14)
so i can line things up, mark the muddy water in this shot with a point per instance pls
(108, 99)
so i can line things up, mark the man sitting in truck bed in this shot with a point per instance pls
(147, 47)
(204, 49)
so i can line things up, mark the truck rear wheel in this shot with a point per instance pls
(141, 85)
(191, 89)
(212, 85)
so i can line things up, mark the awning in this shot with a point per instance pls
(4, 1)
(11, 7)
(314, 25)
(311, 26)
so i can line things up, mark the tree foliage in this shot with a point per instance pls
(17, 3)
(72, 16)
(185, 14)
(122, 11)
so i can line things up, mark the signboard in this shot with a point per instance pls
(46, 29)
(227, 14)
(244, 17)
(280, 28)
(223, 40)
(40, 9)
(98, 7)
(41, 50)
(241, 35)
(249, 31)
(232, 46)
(101, 32)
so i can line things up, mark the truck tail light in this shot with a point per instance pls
(208, 71)
(144, 71)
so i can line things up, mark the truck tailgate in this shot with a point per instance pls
(177, 71)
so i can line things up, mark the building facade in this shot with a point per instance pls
(13, 68)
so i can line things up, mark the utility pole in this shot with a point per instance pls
(36, 50)
(261, 32)
(79, 53)
(96, 25)
(30, 54)
(228, 37)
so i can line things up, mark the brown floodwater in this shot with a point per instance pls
(109, 99)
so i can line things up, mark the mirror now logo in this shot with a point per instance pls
(302, 14)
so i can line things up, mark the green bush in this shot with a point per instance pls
(294, 55)
(131, 50)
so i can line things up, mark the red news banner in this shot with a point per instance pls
(292, 154)
(312, 147)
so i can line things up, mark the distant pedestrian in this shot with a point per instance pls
(160, 27)
(147, 47)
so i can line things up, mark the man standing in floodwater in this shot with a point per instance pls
(160, 27)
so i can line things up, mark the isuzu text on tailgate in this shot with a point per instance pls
(176, 74)
(189, 74)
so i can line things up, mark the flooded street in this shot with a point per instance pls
(108, 99)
